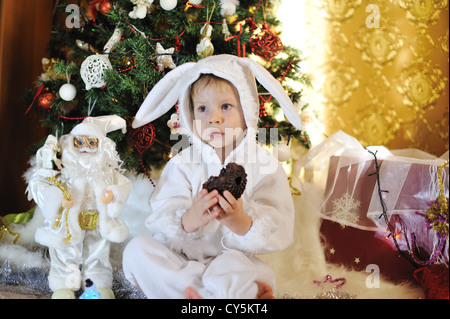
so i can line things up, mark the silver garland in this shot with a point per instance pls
(33, 281)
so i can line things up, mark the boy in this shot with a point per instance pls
(204, 244)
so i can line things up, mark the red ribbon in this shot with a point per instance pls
(238, 36)
(39, 91)
(191, 5)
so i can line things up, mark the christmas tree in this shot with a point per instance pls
(105, 56)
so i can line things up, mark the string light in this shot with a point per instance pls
(384, 209)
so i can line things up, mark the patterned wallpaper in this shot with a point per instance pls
(379, 69)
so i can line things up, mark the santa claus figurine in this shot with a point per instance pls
(78, 184)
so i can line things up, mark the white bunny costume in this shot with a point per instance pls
(213, 260)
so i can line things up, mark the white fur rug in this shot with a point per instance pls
(296, 267)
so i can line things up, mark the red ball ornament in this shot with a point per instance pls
(266, 44)
(45, 100)
(143, 137)
(104, 7)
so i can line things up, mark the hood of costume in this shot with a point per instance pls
(175, 87)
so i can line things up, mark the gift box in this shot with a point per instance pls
(373, 201)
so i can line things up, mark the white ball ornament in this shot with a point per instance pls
(67, 92)
(196, 2)
(168, 4)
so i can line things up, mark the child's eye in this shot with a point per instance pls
(202, 108)
(226, 106)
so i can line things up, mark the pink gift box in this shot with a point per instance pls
(352, 204)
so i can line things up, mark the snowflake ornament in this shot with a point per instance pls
(164, 57)
(346, 208)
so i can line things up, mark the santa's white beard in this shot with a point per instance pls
(82, 165)
(92, 166)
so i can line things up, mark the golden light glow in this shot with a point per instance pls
(379, 69)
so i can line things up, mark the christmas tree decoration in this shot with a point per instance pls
(67, 92)
(168, 4)
(138, 52)
(93, 70)
(113, 40)
(143, 137)
(205, 48)
(48, 66)
(228, 7)
(164, 57)
(141, 9)
(104, 7)
(266, 44)
(175, 124)
(45, 100)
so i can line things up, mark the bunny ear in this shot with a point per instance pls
(162, 97)
(275, 88)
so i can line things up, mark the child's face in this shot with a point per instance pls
(218, 115)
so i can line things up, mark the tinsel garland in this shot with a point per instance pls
(34, 281)
(436, 218)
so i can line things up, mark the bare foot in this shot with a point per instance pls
(264, 291)
(191, 293)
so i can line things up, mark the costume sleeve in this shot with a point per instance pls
(169, 201)
(272, 211)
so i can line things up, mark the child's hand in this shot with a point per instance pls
(200, 213)
(231, 214)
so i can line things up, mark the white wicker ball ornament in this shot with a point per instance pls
(93, 70)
